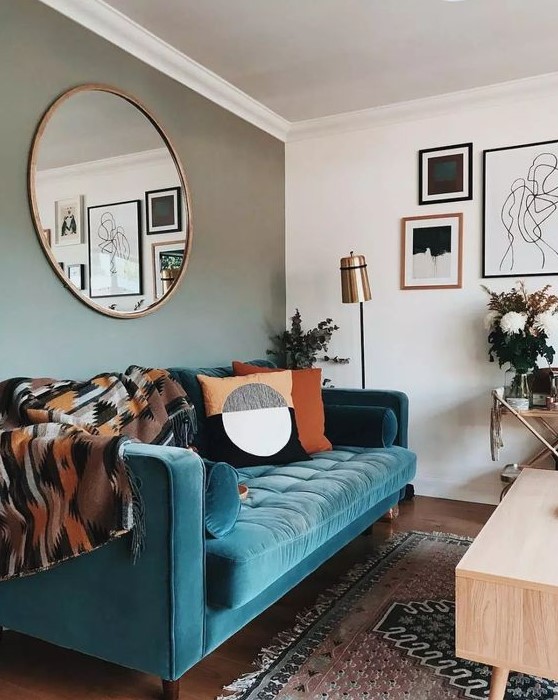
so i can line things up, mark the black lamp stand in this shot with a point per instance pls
(362, 345)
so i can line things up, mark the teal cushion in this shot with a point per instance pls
(187, 377)
(360, 426)
(292, 510)
(222, 500)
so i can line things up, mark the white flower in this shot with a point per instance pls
(513, 322)
(547, 322)
(490, 319)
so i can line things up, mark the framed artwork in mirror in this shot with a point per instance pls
(115, 264)
(76, 275)
(69, 223)
(431, 251)
(168, 258)
(446, 174)
(164, 210)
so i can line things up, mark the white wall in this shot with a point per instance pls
(118, 179)
(348, 191)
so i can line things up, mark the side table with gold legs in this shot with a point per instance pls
(534, 416)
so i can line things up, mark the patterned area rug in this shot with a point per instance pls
(386, 632)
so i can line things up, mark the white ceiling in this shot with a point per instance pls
(307, 59)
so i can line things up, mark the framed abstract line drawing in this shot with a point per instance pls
(520, 210)
(68, 215)
(432, 251)
(115, 265)
(164, 210)
(446, 174)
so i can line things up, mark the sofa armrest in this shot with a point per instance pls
(181, 516)
(396, 400)
(149, 616)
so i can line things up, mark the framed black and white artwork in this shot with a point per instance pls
(76, 275)
(520, 210)
(432, 251)
(68, 221)
(446, 174)
(164, 210)
(115, 264)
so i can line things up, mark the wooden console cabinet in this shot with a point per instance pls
(507, 585)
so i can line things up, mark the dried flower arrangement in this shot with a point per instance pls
(519, 326)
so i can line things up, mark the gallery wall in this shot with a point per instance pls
(233, 295)
(120, 179)
(348, 191)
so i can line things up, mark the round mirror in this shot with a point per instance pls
(110, 201)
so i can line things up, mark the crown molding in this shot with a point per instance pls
(425, 108)
(143, 159)
(112, 25)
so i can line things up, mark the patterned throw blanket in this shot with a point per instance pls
(64, 487)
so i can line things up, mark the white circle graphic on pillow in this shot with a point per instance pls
(256, 419)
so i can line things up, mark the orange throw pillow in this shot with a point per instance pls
(307, 401)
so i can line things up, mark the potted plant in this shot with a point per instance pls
(519, 325)
(299, 349)
(171, 264)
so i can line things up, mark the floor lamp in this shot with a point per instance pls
(355, 287)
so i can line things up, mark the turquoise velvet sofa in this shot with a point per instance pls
(188, 593)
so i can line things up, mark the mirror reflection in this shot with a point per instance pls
(111, 204)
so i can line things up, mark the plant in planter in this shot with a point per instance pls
(299, 349)
(170, 266)
(519, 325)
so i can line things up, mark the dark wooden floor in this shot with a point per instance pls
(33, 670)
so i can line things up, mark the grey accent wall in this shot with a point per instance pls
(233, 294)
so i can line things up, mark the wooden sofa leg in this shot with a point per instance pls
(171, 690)
(391, 515)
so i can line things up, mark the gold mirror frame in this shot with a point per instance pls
(31, 179)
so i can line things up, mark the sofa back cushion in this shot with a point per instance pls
(250, 420)
(307, 401)
(187, 376)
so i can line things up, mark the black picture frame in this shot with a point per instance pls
(71, 269)
(131, 223)
(453, 195)
(172, 226)
(519, 167)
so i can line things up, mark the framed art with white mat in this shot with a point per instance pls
(520, 210)
(446, 174)
(163, 210)
(69, 221)
(115, 266)
(166, 255)
(432, 251)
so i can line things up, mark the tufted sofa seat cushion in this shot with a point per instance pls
(293, 509)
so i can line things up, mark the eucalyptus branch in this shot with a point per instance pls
(299, 349)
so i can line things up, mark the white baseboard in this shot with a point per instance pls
(455, 491)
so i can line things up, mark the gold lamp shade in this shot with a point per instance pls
(355, 286)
